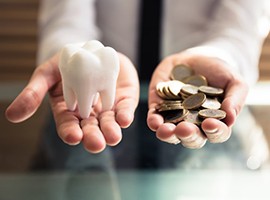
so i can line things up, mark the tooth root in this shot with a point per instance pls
(109, 59)
(85, 101)
(69, 97)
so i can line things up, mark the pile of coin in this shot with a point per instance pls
(188, 97)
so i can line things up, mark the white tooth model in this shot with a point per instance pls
(88, 70)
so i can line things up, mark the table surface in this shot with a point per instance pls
(138, 185)
(231, 171)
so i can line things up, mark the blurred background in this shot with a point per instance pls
(18, 46)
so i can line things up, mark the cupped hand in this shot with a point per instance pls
(95, 132)
(218, 74)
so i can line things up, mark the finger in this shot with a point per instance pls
(25, 105)
(28, 101)
(93, 139)
(154, 120)
(166, 133)
(127, 95)
(67, 123)
(234, 101)
(110, 128)
(216, 131)
(125, 110)
(190, 135)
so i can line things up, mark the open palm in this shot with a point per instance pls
(97, 131)
(218, 75)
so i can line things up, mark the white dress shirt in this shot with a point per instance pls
(232, 30)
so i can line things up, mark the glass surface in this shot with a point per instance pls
(143, 168)
(138, 185)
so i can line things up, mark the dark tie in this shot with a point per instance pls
(149, 37)
(148, 58)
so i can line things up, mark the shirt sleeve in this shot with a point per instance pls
(64, 21)
(237, 31)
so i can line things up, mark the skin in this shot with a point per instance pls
(104, 128)
(101, 128)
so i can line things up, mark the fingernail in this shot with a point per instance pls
(211, 131)
(194, 141)
(214, 135)
(190, 138)
(173, 140)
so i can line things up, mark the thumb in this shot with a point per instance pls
(28, 101)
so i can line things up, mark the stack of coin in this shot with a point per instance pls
(188, 97)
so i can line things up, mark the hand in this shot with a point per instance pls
(100, 128)
(218, 75)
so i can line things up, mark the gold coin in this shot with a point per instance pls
(194, 101)
(197, 80)
(175, 116)
(211, 91)
(183, 95)
(211, 103)
(167, 93)
(159, 89)
(193, 117)
(166, 107)
(168, 103)
(171, 102)
(212, 113)
(181, 71)
(174, 87)
(189, 89)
